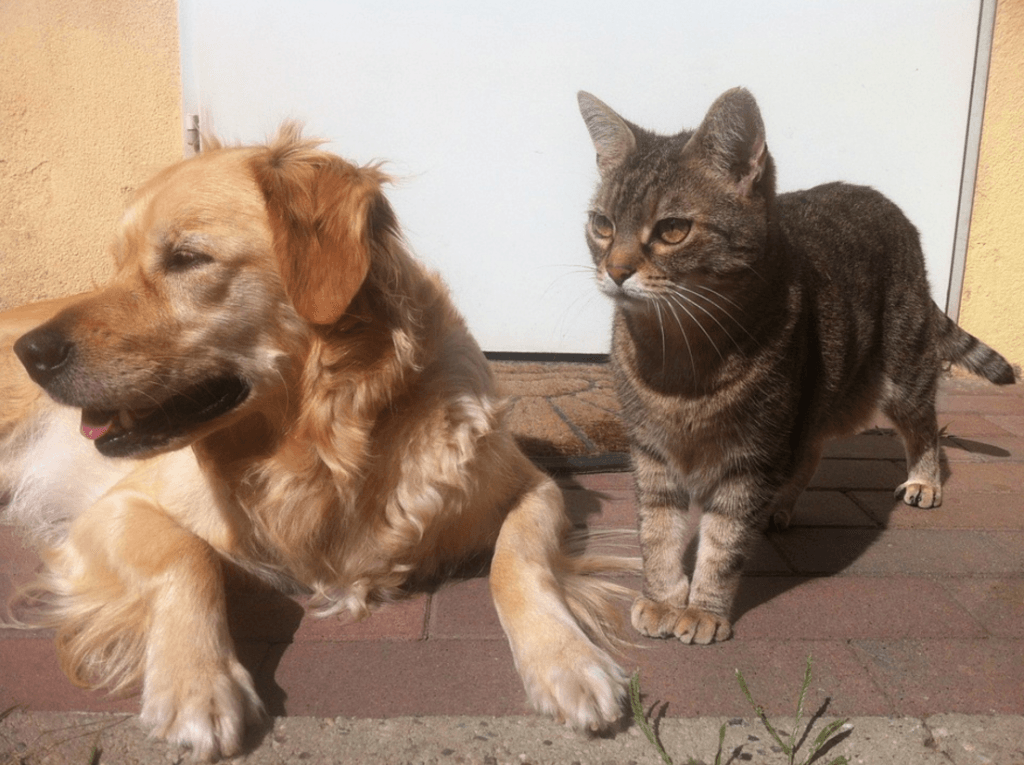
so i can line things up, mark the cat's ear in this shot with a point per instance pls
(613, 139)
(732, 139)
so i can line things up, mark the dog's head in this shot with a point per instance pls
(226, 264)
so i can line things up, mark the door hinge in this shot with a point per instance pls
(193, 138)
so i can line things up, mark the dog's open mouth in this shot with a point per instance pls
(127, 432)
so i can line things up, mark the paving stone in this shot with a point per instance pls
(464, 610)
(31, 676)
(857, 474)
(18, 563)
(828, 508)
(969, 425)
(997, 448)
(963, 482)
(849, 607)
(1012, 546)
(403, 620)
(925, 677)
(680, 680)
(604, 481)
(996, 603)
(1013, 423)
(994, 402)
(394, 678)
(982, 511)
(894, 551)
(599, 509)
(874, 446)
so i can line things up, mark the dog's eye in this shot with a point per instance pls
(183, 260)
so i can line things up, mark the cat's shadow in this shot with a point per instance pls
(814, 550)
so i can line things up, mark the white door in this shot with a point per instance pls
(472, 103)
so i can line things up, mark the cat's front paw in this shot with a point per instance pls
(689, 625)
(205, 709)
(920, 494)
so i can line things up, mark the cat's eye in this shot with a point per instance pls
(184, 259)
(601, 226)
(671, 230)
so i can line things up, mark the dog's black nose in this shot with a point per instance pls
(44, 351)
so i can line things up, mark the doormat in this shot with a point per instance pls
(564, 414)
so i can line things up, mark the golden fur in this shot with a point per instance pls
(368, 452)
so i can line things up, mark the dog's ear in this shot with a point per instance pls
(325, 214)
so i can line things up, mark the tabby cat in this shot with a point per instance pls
(748, 329)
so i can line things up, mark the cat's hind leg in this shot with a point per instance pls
(912, 410)
(662, 516)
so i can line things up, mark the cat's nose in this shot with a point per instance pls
(619, 274)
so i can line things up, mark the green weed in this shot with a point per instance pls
(789, 745)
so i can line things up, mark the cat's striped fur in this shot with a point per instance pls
(748, 330)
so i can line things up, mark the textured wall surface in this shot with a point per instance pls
(992, 305)
(89, 107)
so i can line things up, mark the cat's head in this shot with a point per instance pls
(687, 210)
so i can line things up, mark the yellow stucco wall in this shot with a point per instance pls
(992, 304)
(90, 102)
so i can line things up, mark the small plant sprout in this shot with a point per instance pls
(789, 745)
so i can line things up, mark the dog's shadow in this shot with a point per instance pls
(263, 622)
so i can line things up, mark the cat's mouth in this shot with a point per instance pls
(625, 287)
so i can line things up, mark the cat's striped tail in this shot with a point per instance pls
(965, 350)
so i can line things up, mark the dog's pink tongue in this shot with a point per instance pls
(94, 424)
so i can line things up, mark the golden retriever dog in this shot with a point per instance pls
(298, 396)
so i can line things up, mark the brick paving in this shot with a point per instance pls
(905, 611)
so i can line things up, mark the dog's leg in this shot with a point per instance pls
(129, 575)
(537, 589)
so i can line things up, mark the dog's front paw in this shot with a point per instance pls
(205, 710)
(579, 684)
(689, 624)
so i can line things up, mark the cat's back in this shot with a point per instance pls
(853, 235)
(866, 294)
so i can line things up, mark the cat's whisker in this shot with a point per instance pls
(680, 289)
(682, 302)
(661, 327)
(679, 293)
(727, 314)
(574, 308)
(682, 330)
(716, 293)
(754, 272)
(568, 271)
